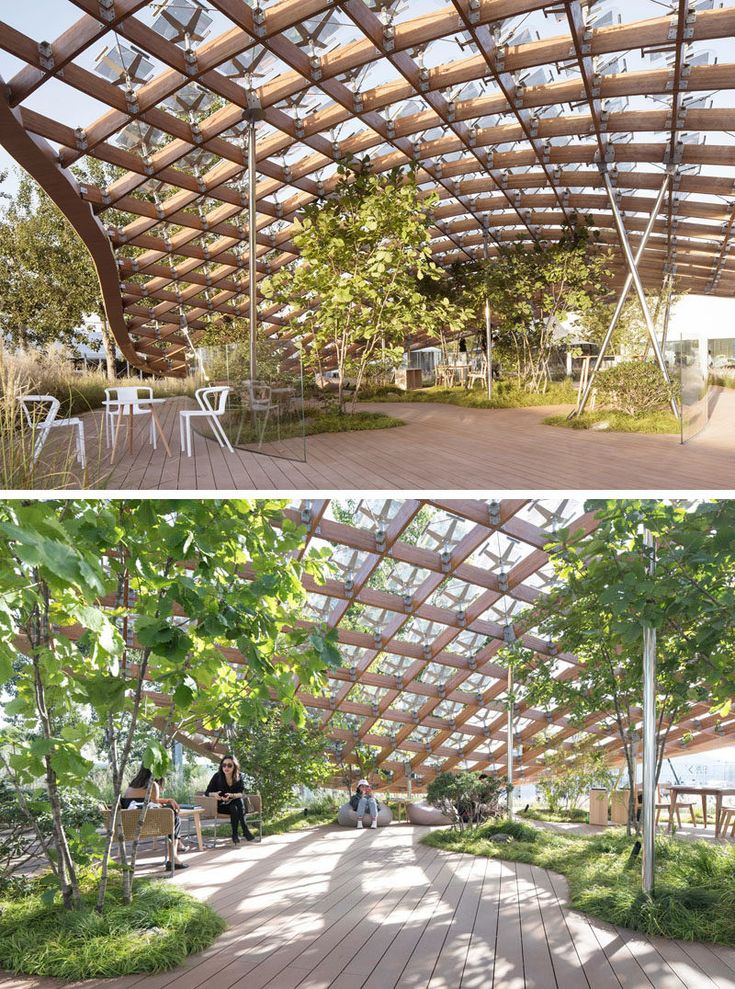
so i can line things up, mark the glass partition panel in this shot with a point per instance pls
(690, 357)
(264, 413)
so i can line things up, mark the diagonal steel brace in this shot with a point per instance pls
(626, 286)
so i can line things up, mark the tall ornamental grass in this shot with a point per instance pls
(50, 372)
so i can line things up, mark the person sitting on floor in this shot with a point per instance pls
(364, 799)
(227, 783)
(134, 797)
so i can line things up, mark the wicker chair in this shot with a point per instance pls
(157, 823)
(253, 812)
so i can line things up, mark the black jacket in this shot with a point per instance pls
(355, 800)
(219, 784)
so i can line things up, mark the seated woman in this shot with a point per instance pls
(134, 797)
(228, 785)
(363, 800)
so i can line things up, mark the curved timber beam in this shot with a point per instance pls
(37, 157)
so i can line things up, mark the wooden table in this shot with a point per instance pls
(718, 792)
(195, 814)
(114, 403)
(448, 372)
(401, 806)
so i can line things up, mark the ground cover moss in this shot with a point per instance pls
(156, 932)
(506, 395)
(314, 424)
(662, 421)
(694, 899)
(567, 815)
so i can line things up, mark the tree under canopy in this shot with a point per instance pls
(357, 286)
(114, 611)
(604, 597)
(48, 283)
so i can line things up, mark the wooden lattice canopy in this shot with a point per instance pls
(424, 596)
(510, 107)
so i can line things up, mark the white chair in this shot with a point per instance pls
(206, 411)
(127, 399)
(41, 427)
(478, 372)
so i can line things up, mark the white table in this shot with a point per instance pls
(120, 406)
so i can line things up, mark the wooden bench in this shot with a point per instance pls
(253, 812)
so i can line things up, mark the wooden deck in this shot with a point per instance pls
(347, 909)
(440, 447)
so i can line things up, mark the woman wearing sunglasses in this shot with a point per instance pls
(227, 784)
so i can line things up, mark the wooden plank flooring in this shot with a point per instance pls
(440, 447)
(331, 908)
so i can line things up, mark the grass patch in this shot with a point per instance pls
(292, 819)
(721, 379)
(332, 422)
(296, 820)
(694, 898)
(506, 395)
(571, 815)
(662, 421)
(315, 423)
(156, 932)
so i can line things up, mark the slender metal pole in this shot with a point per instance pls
(649, 733)
(252, 232)
(667, 311)
(623, 296)
(630, 261)
(488, 323)
(489, 335)
(509, 744)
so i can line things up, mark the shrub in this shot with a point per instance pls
(466, 798)
(635, 387)
(514, 829)
(323, 805)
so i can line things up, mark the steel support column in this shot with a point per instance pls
(252, 116)
(509, 744)
(649, 732)
(488, 325)
(623, 297)
(632, 268)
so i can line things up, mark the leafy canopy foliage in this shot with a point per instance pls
(364, 252)
(604, 597)
(70, 565)
(630, 335)
(568, 774)
(48, 283)
(277, 754)
(531, 290)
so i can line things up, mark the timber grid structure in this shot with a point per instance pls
(520, 114)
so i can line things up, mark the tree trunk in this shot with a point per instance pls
(108, 342)
(112, 827)
(40, 637)
(129, 874)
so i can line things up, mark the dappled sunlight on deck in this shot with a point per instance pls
(329, 907)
